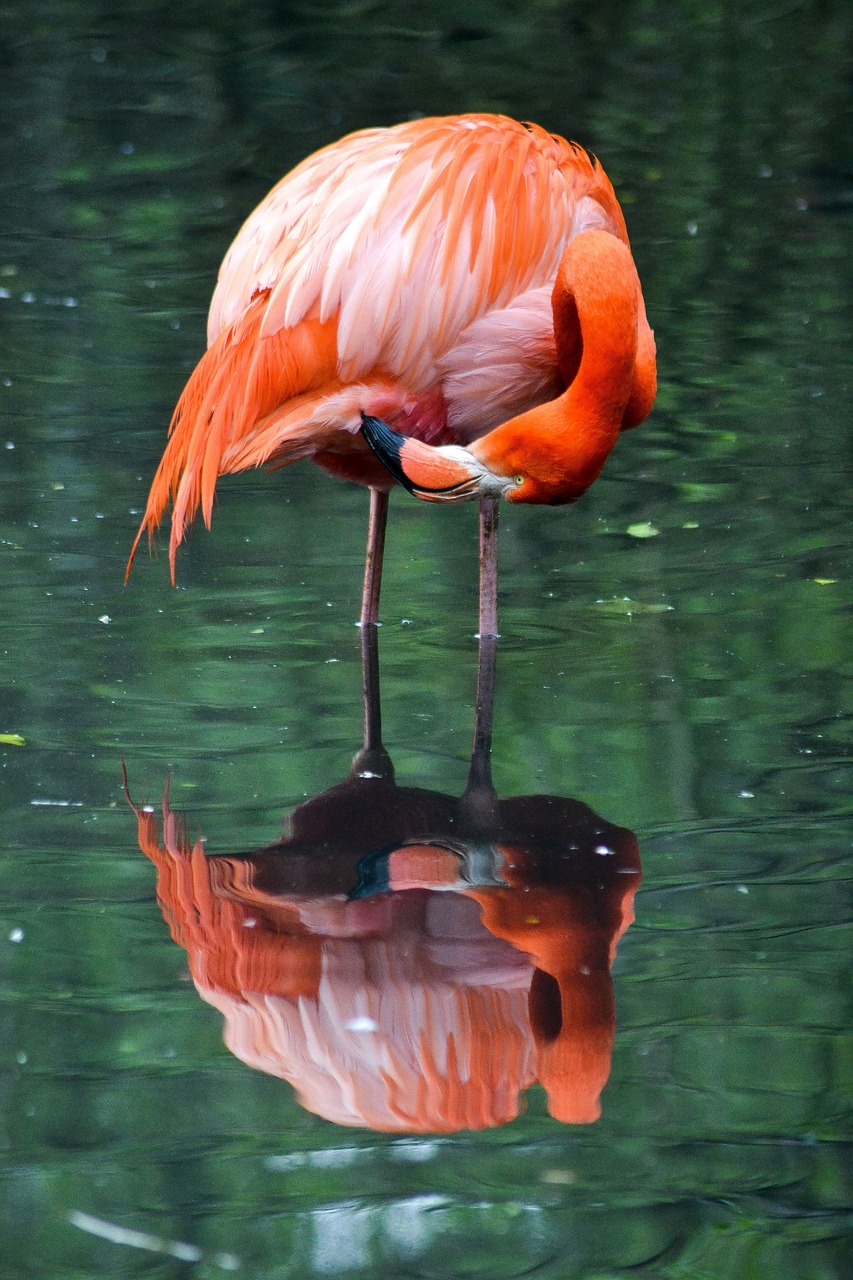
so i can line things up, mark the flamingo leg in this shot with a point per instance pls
(373, 560)
(488, 568)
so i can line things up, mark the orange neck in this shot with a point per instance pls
(645, 384)
(596, 300)
(606, 354)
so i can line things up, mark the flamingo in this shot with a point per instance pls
(450, 303)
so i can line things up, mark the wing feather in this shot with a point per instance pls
(351, 227)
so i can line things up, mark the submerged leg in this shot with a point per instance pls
(373, 559)
(488, 567)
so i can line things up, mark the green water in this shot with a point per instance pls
(688, 685)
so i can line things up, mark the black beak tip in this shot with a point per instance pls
(387, 445)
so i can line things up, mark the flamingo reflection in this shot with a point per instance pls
(412, 961)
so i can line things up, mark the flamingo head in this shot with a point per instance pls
(509, 462)
(446, 473)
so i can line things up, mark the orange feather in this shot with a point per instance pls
(408, 273)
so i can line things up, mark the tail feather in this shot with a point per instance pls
(236, 390)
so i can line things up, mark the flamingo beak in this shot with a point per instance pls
(446, 473)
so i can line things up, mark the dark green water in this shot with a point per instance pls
(688, 684)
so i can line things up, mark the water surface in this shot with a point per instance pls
(673, 655)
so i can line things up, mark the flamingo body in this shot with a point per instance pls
(458, 280)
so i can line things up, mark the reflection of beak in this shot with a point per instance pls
(446, 473)
(430, 864)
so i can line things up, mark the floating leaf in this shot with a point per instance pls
(824, 582)
(13, 739)
(642, 530)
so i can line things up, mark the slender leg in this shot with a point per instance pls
(373, 559)
(488, 567)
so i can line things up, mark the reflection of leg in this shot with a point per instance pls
(370, 688)
(372, 760)
(479, 793)
(480, 773)
(479, 803)
(488, 567)
(373, 559)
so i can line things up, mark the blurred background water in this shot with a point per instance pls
(674, 648)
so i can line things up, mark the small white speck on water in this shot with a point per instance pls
(16, 934)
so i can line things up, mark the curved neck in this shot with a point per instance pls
(596, 303)
(645, 385)
(604, 350)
